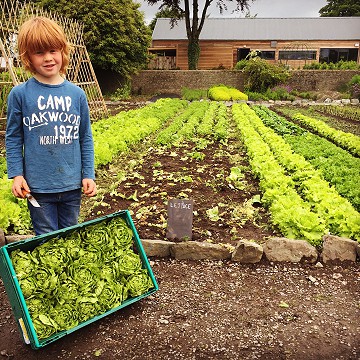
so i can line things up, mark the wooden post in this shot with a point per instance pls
(2, 238)
(9, 64)
(14, 238)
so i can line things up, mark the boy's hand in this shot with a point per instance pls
(89, 187)
(19, 184)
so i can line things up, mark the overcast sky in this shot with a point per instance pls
(261, 8)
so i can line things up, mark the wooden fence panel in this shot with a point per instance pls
(80, 70)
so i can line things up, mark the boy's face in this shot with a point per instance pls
(47, 65)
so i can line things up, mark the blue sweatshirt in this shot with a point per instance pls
(48, 136)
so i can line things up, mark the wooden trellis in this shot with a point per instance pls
(80, 70)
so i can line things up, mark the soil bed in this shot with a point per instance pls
(224, 211)
(218, 310)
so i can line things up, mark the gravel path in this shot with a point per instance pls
(219, 310)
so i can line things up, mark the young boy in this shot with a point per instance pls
(49, 144)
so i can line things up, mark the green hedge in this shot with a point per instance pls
(225, 93)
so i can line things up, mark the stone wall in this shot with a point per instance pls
(151, 82)
(172, 81)
(320, 80)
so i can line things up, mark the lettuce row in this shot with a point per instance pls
(345, 140)
(350, 112)
(206, 126)
(214, 123)
(118, 133)
(279, 124)
(192, 122)
(341, 217)
(338, 166)
(183, 124)
(221, 128)
(289, 212)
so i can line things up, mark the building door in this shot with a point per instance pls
(242, 53)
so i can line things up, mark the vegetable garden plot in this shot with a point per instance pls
(210, 168)
(112, 136)
(302, 202)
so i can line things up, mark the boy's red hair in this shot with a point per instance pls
(41, 33)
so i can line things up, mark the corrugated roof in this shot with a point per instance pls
(320, 28)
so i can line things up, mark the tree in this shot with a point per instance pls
(341, 8)
(115, 32)
(193, 22)
(165, 12)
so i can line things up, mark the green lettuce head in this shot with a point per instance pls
(139, 283)
(52, 256)
(44, 326)
(28, 286)
(88, 307)
(85, 275)
(122, 234)
(68, 291)
(45, 280)
(128, 263)
(66, 315)
(72, 243)
(112, 295)
(23, 263)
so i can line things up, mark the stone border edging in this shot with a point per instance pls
(275, 249)
(249, 252)
(305, 102)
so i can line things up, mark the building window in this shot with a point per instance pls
(242, 53)
(334, 55)
(163, 52)
(297, 55)
(267, 55)
(163, 59)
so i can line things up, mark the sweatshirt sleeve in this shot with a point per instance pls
(86, 141)
(14, 138)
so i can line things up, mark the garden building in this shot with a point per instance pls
(225, 41)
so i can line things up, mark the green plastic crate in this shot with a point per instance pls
(16, 296)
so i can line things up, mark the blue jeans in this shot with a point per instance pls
(56, 211)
